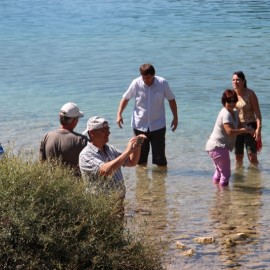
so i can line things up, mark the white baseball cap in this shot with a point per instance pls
(71, 110)
(96, 122)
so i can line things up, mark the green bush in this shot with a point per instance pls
(48, 221)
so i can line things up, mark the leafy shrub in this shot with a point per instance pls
(48, 221)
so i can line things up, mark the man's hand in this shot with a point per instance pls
(119, 121)
(139, 140)
(135, 143)
(121, 108)
(174, 124)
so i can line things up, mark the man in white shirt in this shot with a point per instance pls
(148, 117)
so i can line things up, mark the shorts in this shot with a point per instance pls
(246, 140)
(156, 139)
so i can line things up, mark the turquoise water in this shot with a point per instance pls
(57, 51)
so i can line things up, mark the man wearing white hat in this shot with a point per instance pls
(64, 143)
(100, 163)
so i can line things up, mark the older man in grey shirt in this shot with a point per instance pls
(65, 144)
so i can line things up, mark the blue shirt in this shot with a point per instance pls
(149, 108)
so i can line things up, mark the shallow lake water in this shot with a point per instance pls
(87, 52)
(174, 210)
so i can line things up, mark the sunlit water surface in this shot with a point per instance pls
(88, 52)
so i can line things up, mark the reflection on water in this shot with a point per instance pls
(235, 215)
(175, 208)
(150, 203)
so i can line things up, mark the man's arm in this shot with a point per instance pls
(121, 108)
(42, 151)
(256, 109)
(173, 107)
(129, 157)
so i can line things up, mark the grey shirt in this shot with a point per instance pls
(219, 137)
(63, 144)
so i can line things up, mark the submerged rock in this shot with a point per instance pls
(239, 236)
(180, 245)
(229, 242)
(204, 240)
(189, 252)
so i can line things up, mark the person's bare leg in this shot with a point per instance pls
(253, 159)
(239, 160)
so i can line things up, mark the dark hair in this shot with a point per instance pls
(64, 120)
(147, 69)
(241, 75)
(229, 96)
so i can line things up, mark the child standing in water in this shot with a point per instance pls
(222, 139)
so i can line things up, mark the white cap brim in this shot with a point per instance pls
(85, 132)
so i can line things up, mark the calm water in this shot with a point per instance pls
(53, 52)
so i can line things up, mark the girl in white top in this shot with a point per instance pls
(222, 139)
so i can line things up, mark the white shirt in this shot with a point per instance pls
(149, 108)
